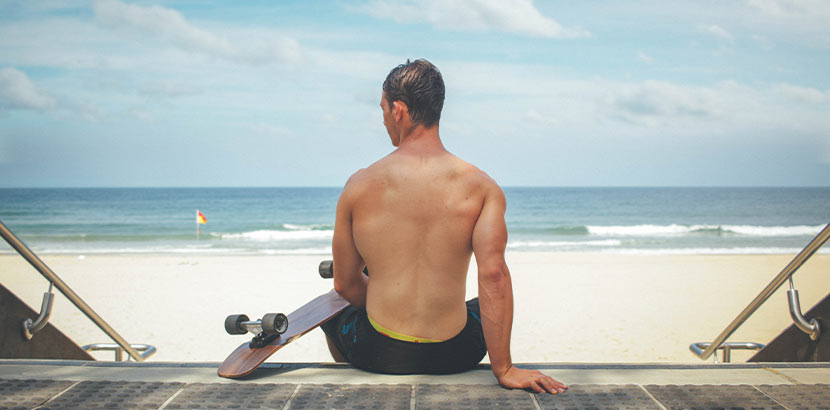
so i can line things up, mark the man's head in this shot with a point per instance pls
(419, 85)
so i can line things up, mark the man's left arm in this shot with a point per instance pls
(349, 280)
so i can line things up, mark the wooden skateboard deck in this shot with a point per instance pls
(246, 359)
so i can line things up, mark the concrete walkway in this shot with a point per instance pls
(79, 384)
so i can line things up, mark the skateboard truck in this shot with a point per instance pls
(265, 330)
(326, 269)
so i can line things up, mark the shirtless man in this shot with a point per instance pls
(414, 219)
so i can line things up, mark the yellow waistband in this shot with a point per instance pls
(400, 336)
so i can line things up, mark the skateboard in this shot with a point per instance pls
(276, 330)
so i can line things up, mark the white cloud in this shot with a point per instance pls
(645, 57)
(718, 31)
(171, 25)
(801, 22)
(763, 42)
(89, 111)
(793, 8)
(267, 129)
(802, 94)
(169, 89)
(143, 115)
(512, 16)
(596, 106)
(535, 116)
(36, 44)
(654, 103)
(18, 92)
(549, 102)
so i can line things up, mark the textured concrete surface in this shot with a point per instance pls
(76, 384)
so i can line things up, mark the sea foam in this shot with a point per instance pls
(562, 244)
(265, 235)
(710, 251)
(675, 229)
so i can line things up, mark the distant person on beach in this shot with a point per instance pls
(414, 219)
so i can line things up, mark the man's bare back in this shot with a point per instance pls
(412, 221)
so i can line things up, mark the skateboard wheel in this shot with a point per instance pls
(233, 324)
(326, 269)
(274, 323)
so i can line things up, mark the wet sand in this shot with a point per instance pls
(569, 307)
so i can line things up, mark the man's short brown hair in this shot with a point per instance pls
(419, 85)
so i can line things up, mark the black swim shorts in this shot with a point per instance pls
(367, 349)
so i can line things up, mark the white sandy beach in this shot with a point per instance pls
(570, 307)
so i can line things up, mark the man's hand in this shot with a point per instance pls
(515, 378)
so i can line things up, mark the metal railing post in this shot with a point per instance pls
(30, 327)
(147, 350)
(811, 328)
(727, 348)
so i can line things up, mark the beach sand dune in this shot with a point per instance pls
(570, 307)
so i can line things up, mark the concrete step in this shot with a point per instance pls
(81, 384)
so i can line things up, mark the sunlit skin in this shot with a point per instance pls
(391, 116)
(415, 218)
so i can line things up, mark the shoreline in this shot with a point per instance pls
(569, 306)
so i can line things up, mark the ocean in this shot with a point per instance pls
(275, 221)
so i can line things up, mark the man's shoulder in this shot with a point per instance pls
(365, 179)
(475, 175)
(358, 180)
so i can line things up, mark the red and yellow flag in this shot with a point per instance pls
(200, 217)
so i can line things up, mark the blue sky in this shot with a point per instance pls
(590, 93)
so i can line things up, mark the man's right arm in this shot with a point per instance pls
(349, 280)
(495, 294)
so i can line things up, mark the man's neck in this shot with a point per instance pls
(421, 140)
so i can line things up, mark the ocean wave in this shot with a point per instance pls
(711, 251)
(570, 230)
(312, 227)
(104, 237)
(560, 244)
(265, 235)
(186, 250)
(138, 250)
(675, 229)
(801, 230)
(301, 251)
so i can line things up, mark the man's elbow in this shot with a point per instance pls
(494, 275)
(348, 290)
(342, 287)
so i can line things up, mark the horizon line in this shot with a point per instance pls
(340, 187)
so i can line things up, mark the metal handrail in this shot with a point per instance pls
(53, 278)
(727, 348)
(762, 297)
(147, 349)
(30, 327)
(811, 327)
